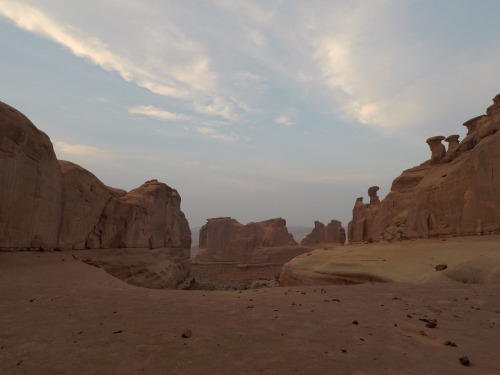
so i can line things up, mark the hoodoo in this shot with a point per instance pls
(456, 192)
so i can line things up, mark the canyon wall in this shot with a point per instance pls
(226, 240)
(46, 204)
(455, 192)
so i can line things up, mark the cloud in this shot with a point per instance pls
(213, 133)
(185, 71)
(218, 106)
(74, 149)
(286, 118)
(98, 99)
(151, 111)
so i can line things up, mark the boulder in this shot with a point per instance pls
(226, 240)
(321, 234)
(456, 192)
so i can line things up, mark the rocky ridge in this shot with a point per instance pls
(454, 193)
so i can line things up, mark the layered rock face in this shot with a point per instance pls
(331, 233)
(30, 184)
(456, 192)
(46, 204)
(226, 240)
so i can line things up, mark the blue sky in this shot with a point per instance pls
(250, 109)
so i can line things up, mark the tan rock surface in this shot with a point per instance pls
(148, 216)
(84, 198)
(61, 316)
(158, 268)
(46, 204)
(468, 260)
(226, 240)
(456, 193)
(49, 204)
(30, 184)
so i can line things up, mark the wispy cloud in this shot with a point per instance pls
(74, 149)
(152, 111)
(218, 106)
(287, 117)
(213, 133)
(190, 79)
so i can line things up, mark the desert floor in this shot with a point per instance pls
(61, 316)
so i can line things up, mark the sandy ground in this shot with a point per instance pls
(61, 316)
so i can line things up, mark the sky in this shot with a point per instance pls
(250, 109)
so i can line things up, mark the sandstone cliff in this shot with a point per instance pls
(30, 184)
(226, 240)
(321, 234)
(47, 204)
(456, 192)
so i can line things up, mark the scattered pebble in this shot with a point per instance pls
(187, 334)
(355, 322)
(464, 361)
(115, 332)
(449, 343)
(441, 267)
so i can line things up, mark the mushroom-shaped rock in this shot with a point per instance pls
(437, 148)
(372, 193)
(471, 124)
(452, 146)
(452, 142)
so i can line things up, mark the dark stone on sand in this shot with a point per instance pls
(464, 361)
(441, 267)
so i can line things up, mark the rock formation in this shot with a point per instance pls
(464, 260)
(456, 192)
(321, 234)
(30, 184)
(226, 240)
(46, 203)
(50, 204)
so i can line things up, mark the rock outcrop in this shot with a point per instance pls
(30, 184)
(321, 234)
(49, 204)
(226, 240)
(459, 259)
(456, 192)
